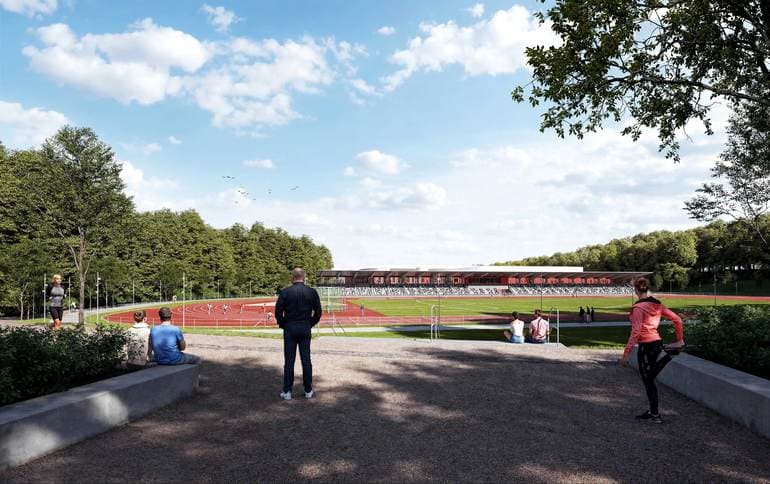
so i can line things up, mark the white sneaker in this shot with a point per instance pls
(286, 395)
(309, 394)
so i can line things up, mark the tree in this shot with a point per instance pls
(661, 62)
(76, 190)
(743, 168)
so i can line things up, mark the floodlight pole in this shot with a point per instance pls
(97, 297)
(133, 292)
(45, 281)
(184, 291)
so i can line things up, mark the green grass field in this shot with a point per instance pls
(597, 338)
(526, 305)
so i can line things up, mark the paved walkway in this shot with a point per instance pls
(405, 410)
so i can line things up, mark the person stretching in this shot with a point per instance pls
(645, 318)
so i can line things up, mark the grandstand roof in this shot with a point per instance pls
(481, 271)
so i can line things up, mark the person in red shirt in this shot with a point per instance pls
(645, 317)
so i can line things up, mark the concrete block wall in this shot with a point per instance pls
(37, 427)
(737, 395)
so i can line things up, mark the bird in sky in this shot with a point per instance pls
(295, 187)
(228, 177)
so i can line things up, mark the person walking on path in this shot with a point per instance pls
(55, 294)
(297, 310)
(645, 318)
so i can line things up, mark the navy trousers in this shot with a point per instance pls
(297, 335)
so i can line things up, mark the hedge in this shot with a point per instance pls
(734, 336)
(36, 361)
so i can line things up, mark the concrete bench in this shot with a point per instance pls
(37, 427)
(737, 395)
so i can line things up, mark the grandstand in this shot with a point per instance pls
(477, 281)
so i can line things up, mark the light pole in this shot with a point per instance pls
(160, 291)
(133, 299)
(97, 297)
(250, 288)
(184, 291)
(217, 289)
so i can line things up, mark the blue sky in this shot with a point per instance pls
(384, 130)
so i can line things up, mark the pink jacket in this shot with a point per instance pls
(645, 318)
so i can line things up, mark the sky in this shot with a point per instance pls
(383, 130)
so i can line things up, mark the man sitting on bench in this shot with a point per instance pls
(539, 329)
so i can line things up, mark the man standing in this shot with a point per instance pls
(297, 310)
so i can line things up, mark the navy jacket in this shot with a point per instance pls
(298, 304)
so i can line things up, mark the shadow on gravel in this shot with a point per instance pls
(423, 414)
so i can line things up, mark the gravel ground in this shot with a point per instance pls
(401, 410)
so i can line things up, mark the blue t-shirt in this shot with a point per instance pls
(165, 344)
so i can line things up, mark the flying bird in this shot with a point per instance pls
(228, 177)
(295, 187)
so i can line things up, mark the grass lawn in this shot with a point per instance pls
(572, 337)
(503, 306)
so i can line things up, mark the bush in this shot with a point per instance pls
(735, 336)
(35, 361)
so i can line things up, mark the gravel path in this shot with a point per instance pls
(401, 410)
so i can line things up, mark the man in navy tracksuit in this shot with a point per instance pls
(297, 310)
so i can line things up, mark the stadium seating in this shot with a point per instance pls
(521, 290)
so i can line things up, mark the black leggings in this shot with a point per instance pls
(56, 312)
(649, 367)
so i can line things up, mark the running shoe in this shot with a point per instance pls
(673, 351)
(286, 395)
(652, 417)
(309, 394)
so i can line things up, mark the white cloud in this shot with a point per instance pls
(266, 164)
(495, 46)
(30, 8)
(25, 128)
(150, 193)
(244, 84)
(174, 140)
(256, 89)
(537, 195)
(386, 30)
(220, 17)
(476, 10)
(135, 66)
(145, 148)
(378, 162)
(349, 171)
(363, 87)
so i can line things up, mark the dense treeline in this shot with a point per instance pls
(138, 256)
(679, 259)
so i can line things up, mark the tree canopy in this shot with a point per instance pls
(66, 200)
(677, 259)
(661, 63)
(742, 189)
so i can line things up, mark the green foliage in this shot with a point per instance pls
(659, 62)
(743, 173)
(735, 336)
(88, 225)
(677, 259)
(35, 361)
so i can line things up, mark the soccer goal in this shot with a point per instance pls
(332, 300)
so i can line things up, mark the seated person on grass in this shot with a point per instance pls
(139, 349)
(538, 329)
(516, 334)
(168, 343)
